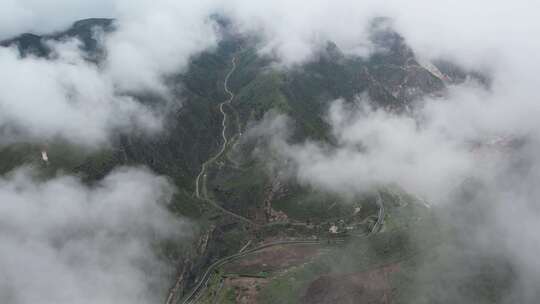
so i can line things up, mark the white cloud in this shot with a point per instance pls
(65, 97)
(428, 153)
(66, 242)
(70, 98)
(157, 38)
(434, 151)
(375, 148)
(18, 16)
(294, 30)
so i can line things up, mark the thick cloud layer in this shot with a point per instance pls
(429, 153)
(66, 97)
(65, 242)
(374, 148)
(156, 38)
(294, 30)
(476, 33)
(83, 103)
(483, 140)
(19, 16)
(480, 177)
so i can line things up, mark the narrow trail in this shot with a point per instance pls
(172, 296)
(380, 215)
(200, 181)
(223, 131)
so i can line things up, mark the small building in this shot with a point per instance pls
(44, 156)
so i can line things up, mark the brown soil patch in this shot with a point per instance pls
(369, 287)
(273, 258)
(246, 289)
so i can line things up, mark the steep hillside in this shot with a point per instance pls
(237, 182)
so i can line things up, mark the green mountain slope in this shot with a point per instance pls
(237, 181)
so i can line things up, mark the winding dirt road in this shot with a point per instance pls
(223, 131)
(172, 296)
(203, 280)
(200, 181)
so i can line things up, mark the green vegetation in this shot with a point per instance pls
(240, 190)
(358, 256)
(241, 183)
(16, 155)
(261, 95)
(307, 204)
